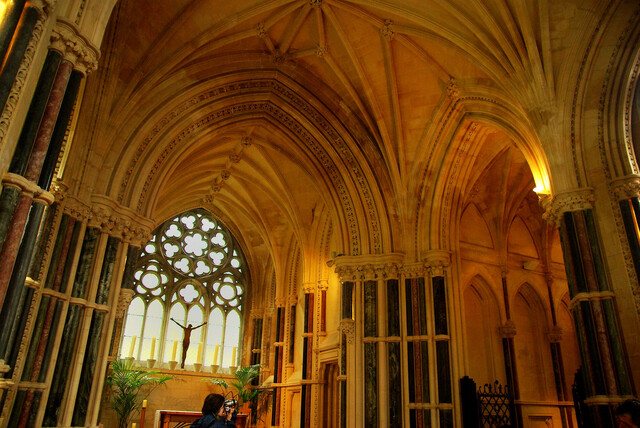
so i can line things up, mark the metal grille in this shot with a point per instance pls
(494, 405)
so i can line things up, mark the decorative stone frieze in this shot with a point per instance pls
(437, 261)
(555, 334)
(126, 295)
(625, 187)
(574, 200)
(347, 327)
(507, 330)
(74, 47)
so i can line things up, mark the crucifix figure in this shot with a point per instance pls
(187, 336)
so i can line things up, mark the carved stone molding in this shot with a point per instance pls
(126, 295)
(625, 187)
(555, 334)
(59, 190)
(323, 284)
(75, 48)
(347, 327)
(256, 313)
(281, 302)
(507, 330)
(574, 200)
(437, 261)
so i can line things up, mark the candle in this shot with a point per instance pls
(233, 356)
(175, 349)
(215, 354)
(199, 356)
(133, 345)
(153, 349)
(144, 404)
(133, 425)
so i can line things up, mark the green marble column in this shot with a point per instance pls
(12, 13)
(604, 361)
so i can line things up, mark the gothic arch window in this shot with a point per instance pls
(191, 270)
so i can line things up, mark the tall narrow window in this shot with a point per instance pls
(191, 270)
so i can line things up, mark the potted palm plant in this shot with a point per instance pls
(248, 395)
(130, 386)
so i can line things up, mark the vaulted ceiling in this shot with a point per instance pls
(274, 113)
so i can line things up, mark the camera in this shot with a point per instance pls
(229, 405)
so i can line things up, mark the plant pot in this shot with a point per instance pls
(242, 420)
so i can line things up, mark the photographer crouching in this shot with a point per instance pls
(217, 412)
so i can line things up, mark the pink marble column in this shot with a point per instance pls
(32, 173)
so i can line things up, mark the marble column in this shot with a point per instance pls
(604, 360)
(507, 332)
(307, 356)
(12, 13)
(32, 169)
(17, 46)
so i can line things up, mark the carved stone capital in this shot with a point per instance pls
(256, 313)
(126, 295)
(119, 221)
(45, 6)
(414, 270)
(281, 302)
(59, 190)
(368, 267)
(309, 287)
(74, 47)
(574, 200)
(507, 330)
(555, 334)
(625, 187)
(347, 327)
(437, 261)
(323, 285)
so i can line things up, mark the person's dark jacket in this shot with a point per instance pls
(213, 421)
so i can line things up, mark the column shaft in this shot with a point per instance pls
(18, 47)
(33, 167)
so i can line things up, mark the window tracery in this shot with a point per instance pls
(191, 270)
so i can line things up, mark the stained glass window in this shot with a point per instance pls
(191, 270)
